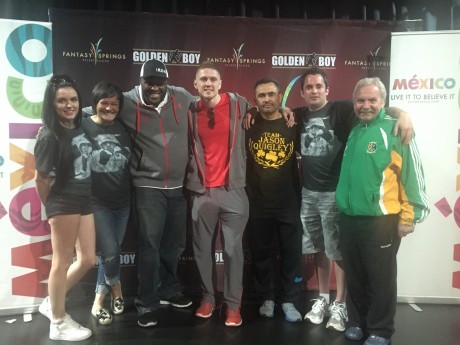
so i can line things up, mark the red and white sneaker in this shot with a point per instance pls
(233, 318)
(205, 310)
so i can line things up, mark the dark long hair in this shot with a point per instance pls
(50, 118)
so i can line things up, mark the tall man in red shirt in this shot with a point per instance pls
(216, 176)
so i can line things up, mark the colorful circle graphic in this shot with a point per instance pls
(16, 58)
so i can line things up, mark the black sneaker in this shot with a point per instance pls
(147, 319)
(178, 301)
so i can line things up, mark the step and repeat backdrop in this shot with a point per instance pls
(113, 47)
(94, 46)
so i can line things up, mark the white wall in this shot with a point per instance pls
(425, 81)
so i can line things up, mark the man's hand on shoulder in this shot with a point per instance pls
(250, 117)
(289, 116)
(403, 126)
(252, 113)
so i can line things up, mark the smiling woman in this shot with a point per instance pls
(107, 101)
(66, 103)
(111, 193)
(63, 182)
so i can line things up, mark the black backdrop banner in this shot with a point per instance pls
(93, 46)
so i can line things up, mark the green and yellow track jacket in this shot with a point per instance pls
(381, 176)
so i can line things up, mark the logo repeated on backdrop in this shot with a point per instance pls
(238, 59)
(375, 61)
(271, 150)
(168, 57)
(425, 89)
(325, 61)
(301, 61)
(95, 54)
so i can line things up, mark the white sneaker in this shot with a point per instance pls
(339, 316)
(318, 311)
(267, 309)
(69, 330)
(291, 313)
(45, 308)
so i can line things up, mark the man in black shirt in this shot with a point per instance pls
(272, 183)
(324, 127)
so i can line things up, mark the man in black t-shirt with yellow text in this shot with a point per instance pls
(272, 185)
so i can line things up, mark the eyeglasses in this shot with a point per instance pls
(212, 120)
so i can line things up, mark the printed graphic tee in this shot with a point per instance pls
(272, 174)
(323, 136)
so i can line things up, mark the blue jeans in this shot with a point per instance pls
(161, 220)
(110, 232)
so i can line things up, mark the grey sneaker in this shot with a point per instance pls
(69, 330)
(354, 333)
(339, 316)
(318, 311)
(291, 313)
(267, 309)
(376, 340)
(45, 308)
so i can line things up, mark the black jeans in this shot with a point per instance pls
(286, 225)
(369, 247)
(161, 221)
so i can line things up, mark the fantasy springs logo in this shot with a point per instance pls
(374, 61)
(95, 54)
(238, 59)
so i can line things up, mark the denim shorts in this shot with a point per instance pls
(320, 216)
(62, 204)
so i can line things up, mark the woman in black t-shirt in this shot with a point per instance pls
(111, 193)
(63, 183)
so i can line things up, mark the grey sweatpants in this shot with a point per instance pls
(231, 209)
